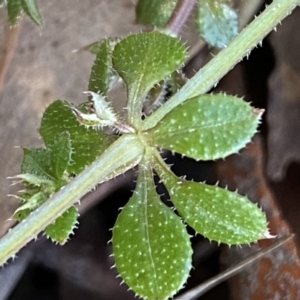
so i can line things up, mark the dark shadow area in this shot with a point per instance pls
(37, 283)
(287, 193)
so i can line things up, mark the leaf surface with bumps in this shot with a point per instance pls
(87, 144)
(37, 162)
(217, 22)
(60, 230)
(100, 73)
(207, 127)
(214, 212)
(151, 246)
(60, 155)
(50, 163)
(144, 59)
(155, 12)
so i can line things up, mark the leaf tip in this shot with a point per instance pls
(268, 235)
(258, 112)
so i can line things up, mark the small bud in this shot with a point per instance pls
(102, 108)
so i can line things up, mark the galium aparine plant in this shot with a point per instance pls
(151, 246)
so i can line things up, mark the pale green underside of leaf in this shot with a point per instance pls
(14, 10)
(206, 127)
(217, 22)
(154, 12)
(151, 246)
(144, 59)
(31, 9)
(38, 162)
(99, 78)
(216, 213)
(34, 180)
(50, 163)
(63, 226)
(87, 144)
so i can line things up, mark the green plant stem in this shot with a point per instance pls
(122, 155)
(226, 59)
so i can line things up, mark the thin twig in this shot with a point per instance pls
(180, 15)
(214, 281)
(10, 48)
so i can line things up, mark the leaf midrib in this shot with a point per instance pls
(205, 127)
(146, 227)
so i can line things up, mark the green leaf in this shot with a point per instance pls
(207, 127)
(87, 144)
(48, 163)
(37, 162)
(95, 47)
(217, 22)
(60, 155)
(60, 230)
(154, 12)
(216, 213)
(14, 10)
(219, 214)
(31, 9)
(33, 180)
(144, 59)
(29, 205)
(151, 246)
(100, 74)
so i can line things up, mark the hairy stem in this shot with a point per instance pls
(122, 155)
(180, 15)
(222, 63)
